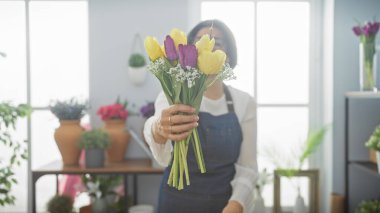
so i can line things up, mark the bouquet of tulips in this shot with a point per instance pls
(367, 34)
(185, 71)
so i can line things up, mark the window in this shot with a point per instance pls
(58, 38)
(13, 85)
(273, 40)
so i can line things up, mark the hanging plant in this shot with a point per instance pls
(137, 62)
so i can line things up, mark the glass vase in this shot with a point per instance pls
(367, 63)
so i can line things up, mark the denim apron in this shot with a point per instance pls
(220, 138)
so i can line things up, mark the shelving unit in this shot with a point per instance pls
(362, 176)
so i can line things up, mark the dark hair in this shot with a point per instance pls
(229, 39)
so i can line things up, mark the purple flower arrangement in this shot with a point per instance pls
(369, 29)
(367, 34)
(147, 110)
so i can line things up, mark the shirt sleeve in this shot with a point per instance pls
(161, 152)
(243, 183)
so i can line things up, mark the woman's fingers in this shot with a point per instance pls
(183, 128)
(174, 109)
(178, 137)
(181, 119)
(177, 121)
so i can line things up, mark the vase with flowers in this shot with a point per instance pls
(367, 54)
(114, 117)
(67, 135)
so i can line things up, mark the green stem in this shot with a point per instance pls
(198, 154)
(184, 155)
(175, 164)
(181, 169)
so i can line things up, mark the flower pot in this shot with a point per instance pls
(372, 156)
(94, 158)
(141, 209)
(67, 137)
(99, 205)
(119, 139)
(378, 161)
(137, 75)
(336, 203)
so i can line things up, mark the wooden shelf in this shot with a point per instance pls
(135, 166)
(363, 94)
(368, 167)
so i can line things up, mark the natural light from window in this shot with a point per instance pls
(280, 31)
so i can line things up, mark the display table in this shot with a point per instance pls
(131, 167)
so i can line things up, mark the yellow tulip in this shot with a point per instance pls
(205, 44)
(178, 37)
(153, 48)
(211, 62)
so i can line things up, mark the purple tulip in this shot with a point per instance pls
(374, 28)
(187, 55)
(357, 30)
(170, 50)
(369, 29)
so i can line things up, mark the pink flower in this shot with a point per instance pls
(113, 111)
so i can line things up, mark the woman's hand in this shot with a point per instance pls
(233, 207)
(175, 123)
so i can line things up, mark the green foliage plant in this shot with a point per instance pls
(9, 115)
(70, 109)
(94, 139)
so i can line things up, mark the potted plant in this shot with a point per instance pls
(114, 117)
(137, 68)
(94, 142)
(69, 113)
(60, 204)
(312, 142)
(369, 206)
(374, 144)
(9, 115)
(102, 190)
(263, 179)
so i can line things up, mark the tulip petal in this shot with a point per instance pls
(187, 55)
(178, 36)
(153, 48)
(211, 62)
(205, 44)
(170, 50)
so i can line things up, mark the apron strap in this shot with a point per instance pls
(230, 103)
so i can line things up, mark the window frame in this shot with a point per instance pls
(317, 77)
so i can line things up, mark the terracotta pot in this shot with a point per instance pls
(337, 203)
(67, 137)
(85, 209)
(119, 139)
(372, 156)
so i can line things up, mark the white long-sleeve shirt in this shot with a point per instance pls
(243, 183)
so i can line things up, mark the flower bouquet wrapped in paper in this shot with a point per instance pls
(185, 71)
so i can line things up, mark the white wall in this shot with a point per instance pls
(346, 71)
(113, 24)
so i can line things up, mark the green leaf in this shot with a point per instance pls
(287, 172)
(314, 139)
